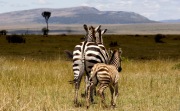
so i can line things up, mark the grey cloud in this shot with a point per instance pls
(2, 3)
(18, 5)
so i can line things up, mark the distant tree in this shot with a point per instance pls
(45, 31)
(46, 15)
(3, 32)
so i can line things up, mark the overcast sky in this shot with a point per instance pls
(153, 9)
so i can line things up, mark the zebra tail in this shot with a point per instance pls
(72, 81)
(69, 54)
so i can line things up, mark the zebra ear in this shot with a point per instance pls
(85, 27)
(97, 28)
(103, 31)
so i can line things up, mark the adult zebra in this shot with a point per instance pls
(99, 41)
(85, 55)
(106, 75)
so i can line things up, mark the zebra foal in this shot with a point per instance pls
(107, 76)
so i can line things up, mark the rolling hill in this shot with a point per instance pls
(74, 15)
(171, 21)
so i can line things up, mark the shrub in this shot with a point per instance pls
(137, 35)
(45, 31)
(3, 32)
(113, 44)
(158, 38)
(15, 39)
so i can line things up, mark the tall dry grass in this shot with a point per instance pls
(35, 85)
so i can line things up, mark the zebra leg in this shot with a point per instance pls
(101, 93)
(114, 94)
(89, 91)
(77, 85)
(93, 83)
(96, 83)
(87, 85)
(95, 91)
(112, 89)
(76, 93)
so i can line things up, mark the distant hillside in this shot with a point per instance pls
(75, 15)
(171, 21)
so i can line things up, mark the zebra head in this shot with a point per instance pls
(90, 33)
(116, 59)
(99, 38)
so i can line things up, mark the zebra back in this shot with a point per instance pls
(88, 53)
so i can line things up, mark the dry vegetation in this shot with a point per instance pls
(28, 84)
(34, 75)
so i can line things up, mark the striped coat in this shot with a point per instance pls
(85, 55)
(106, 76)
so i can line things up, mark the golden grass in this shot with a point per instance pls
(35, 85)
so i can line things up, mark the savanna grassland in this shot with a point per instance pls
(34, 75)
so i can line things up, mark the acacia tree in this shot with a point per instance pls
(3, 32)
(46, 15)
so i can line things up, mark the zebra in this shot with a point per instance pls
(99, 41)
(85, 55)
(89, 37)
(90, 33)
(106, 75)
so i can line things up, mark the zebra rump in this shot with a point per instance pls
(85, 56)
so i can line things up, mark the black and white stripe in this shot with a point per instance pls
(99, 41)
(106, 76)
(116, 59)
(85, 55)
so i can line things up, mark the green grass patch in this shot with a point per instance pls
(133, 46)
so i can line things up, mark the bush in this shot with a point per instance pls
(158, 38)
(15, 39)
(45, 31)
(3, 32)
(113, 44)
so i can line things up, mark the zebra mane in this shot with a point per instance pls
(99, 36)
(90, 34)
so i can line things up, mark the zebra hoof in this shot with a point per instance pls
(83, 95)
(105, 106)
(78, 105)
(113, 106)
(87, 107)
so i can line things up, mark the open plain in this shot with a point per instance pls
(55, 29)
(34, 75)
